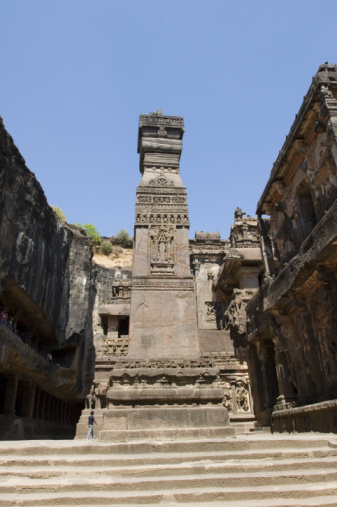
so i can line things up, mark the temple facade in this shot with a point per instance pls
(288, 324)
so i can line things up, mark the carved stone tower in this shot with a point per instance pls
(163, 320)
(163, 389)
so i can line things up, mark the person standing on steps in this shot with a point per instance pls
(90, 425)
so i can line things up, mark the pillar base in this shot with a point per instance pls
(165, 423)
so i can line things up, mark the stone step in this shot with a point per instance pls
(244, 443)
(257, 496)
(320, 501)
(99, 467)
(138, 463)
(249, 458)
(119, 483)
(267, 471)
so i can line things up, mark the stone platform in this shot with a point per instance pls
(165, 423)
(165, 399)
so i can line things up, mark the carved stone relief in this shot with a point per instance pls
(162, 248)
(162, 181)
(162, 219)
(210, 312)
(242, 396)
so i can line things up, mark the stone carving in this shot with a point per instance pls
(179, 199)
(162, 132)
(210, 312)
(162, 181)
(145, 198)
(161, 199)
(244, 232)
(91, 399)
(156, 119)
(162, 248)
(242, 397)
(162, 219)
(163, 285)
(228, 395)
(207, 236)
(238, 214)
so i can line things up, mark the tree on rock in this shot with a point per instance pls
(92, 232)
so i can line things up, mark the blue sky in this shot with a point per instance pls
(76, 74)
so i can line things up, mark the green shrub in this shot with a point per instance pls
(106, 247)
(92, 232)
(123, 237)
(59, 213)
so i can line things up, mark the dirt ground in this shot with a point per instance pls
(121, 258)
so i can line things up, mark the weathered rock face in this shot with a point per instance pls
(46, 281)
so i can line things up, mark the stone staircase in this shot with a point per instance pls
(257, 470)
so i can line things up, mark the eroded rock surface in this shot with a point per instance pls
(46, 289)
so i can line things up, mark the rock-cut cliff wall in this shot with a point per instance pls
(46, 276)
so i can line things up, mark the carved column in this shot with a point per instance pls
(163, 310)
(266, 248)
(163, 389)
(11, 390)
(31, 402)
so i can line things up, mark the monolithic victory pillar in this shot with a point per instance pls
(163, 389)
(163, 319)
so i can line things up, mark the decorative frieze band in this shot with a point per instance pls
(160, 285)
(161, 199)
(150, 120)
(132, 364)
(162, 219)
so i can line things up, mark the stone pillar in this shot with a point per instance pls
(42, 402)
(285, 387)
(31, 400)
(266, 248)
(163, 313)
(234, 401)
(36, 403)
(112, 326)
(11, 390)
(163, 389)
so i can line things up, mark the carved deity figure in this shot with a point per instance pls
(242, 398)
(161, 243)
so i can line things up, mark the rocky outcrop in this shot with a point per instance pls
(46, 277)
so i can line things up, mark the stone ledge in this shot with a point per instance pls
(320, 417)
(165, 434)
(166, 395)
